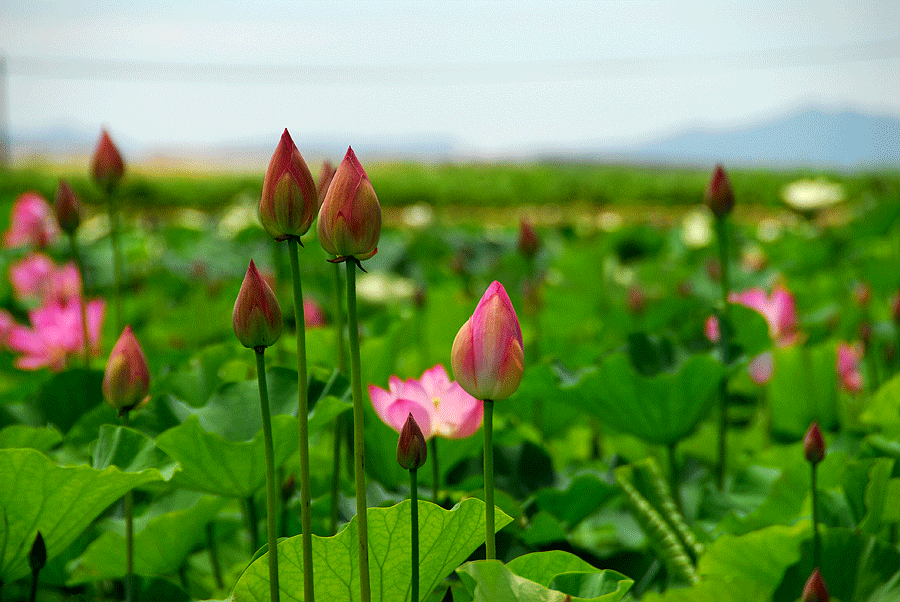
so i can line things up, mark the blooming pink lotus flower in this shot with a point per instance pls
(257, 315)
(488, 356)
(36, 278)
(289, 200)
(126, 381)
(848, 359)
(350, 218)
(32, 222)
(56, 334)
(440, 406)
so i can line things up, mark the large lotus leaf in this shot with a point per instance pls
(212, 464)
(584, 496)
(660, 409)
(66, 396)
(20, 435)
(130, 450)
(554, 576)
(446, 538)
(59, 501)
(803, 389)
(883, 411)
(853, 566)
(160, 548)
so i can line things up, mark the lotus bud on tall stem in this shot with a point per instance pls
(814, 450)
(488, 361)
(815, 590)
(107, 169)
(126, 385)
(257, 323)
(720, 199)
(349, 227)
(287, 208)
(411, 453)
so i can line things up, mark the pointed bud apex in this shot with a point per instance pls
(448, 597)
(257, 315)
(126, 382)
(813, 444)
(68, 209)
(289, 203)
(350, 218)
(325, 177)
(529, 243)
(107, 167)
(815, 590)
(37, 556)
(488, 356)
(719, 196)
(411, 448)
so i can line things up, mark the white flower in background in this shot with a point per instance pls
(378, 287)
(418, 216)
(696, 228)
(810, 195)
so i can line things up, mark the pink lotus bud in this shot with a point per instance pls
(815, 590)
(719, 196)
(257, 315)
(107, 167)
(68, 209)
(848, 358)
(350, 218)
(529, 243)
(31, 222)
(325, 177)
(411, 448)
(813, 444)
(126, 383)
(487, 356)
(289, 203)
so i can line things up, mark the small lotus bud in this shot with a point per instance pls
(813, 444)
(350, 217)
(719, 195)
(289, 202)
(68, 209)
(107, 167)
(488, 355)
(411, 448)
(862, 293)
(529, 243)
(37, 556)
(815, 590)
(126, 382)
(325, 177)
(288, 488)
(257, 315)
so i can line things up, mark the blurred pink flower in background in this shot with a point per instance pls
(56, 334)
(37, 278)
(848, 359)
(313, 314)
(440, 406)
(6, 324)
(32, 222)
(780, 311)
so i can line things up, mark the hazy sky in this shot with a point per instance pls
(496, 77)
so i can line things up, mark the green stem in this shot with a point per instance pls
(358, 433)
(336, 472)
(271, 492)
(435, 472)
(213, 548)
(414, 534)
(79, 265)
(490, 545)
(303, 416)
(114, 228)
(339, 321)
(32, 597)
(129, 534)
(817, 542)
(673, 474)
(252, 523)
(724, 335)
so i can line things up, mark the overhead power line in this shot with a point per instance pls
(451, 73)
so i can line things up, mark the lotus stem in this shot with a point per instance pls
(724, 336)
(817, 541)
(490, 546)
(271, 493)
(414, 534)
(129, 534)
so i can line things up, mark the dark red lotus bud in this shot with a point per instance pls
(813, 444)
(529, 243)
(37, 556)
(68, 209)
(719, 195)
(815, 590)
(411, 448)
(107, 166)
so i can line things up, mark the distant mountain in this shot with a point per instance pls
(814, 137)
